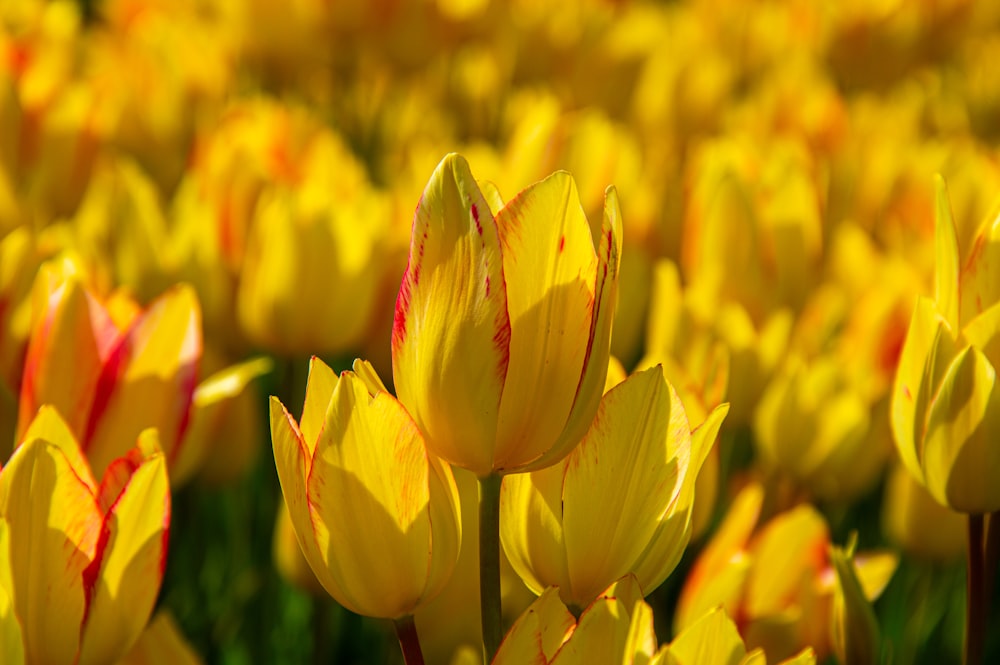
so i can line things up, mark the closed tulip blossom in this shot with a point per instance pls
(377, 517)
(80, 561)
(620, 503)
(502, 330)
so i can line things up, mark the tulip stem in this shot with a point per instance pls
(489, 563)
(409, 641)
(975, 598)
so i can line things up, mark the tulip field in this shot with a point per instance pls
(498, 332)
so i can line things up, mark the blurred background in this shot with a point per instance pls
(775, 164)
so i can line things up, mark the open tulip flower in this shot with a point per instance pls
(946, 402)
(80, 562)
(502, 330)
(377, 516)
(619, 503)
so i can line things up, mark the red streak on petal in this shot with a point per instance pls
(475, 218)
(402, 309)
(562, 243)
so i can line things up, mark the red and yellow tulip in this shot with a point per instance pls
(503, 321)
(80, 561)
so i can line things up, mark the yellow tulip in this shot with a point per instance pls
(502, 330)
(377, 517)
(619, 503)
(946, 403)
(80, 562)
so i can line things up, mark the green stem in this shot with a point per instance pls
(489, 563)
(975, 599)
(409, 641)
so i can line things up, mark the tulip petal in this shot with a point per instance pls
(946, 293)
(791, 548)
(623, 479)
(550, 265)
(320, 385)
(445, 515)
(538, 633)
(450, 338)
(531, 531)
(50, 426)
(980, 277)
(292, 460)
(149, 381)
(597, 360)
(983, 332)
(11, 642)
(162, 643)
(711, 639)
(70, 329)
(370, 475)
(961, 460)
(602, 634)
(125, 576)
(53, 530)
(926, 351)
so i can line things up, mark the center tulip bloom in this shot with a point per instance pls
(502, 329)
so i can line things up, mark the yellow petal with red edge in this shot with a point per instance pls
(711, 639)
(597, 360)
(161, 643)
(49, 425)
(53, 530)
(602, 633)
(11, 642)
(538, 633)
(926, 339)
(214, 399)
(293, 460)
(70, 329)
(531, 531)
(946, 262)
(149, 381)
(319, 391)
(961, 457)
(622, 479)
(369, 487)
(124, 580)
(451, 329)
(550, 266)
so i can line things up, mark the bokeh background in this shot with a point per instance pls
(775, 163)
